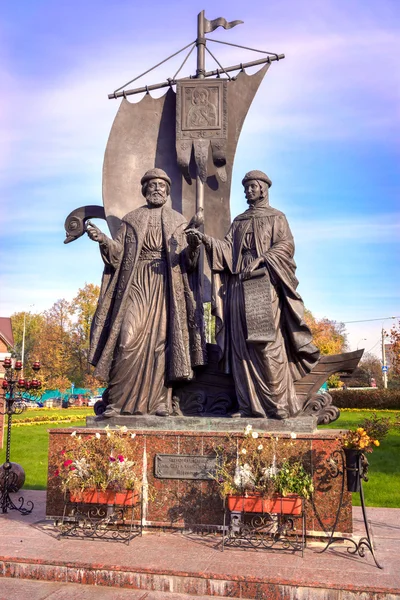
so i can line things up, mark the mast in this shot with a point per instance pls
(200, 73)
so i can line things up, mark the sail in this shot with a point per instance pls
(143, 137)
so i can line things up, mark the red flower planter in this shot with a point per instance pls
(288, 505)
(93, 496)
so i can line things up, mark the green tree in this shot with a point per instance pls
(82, 309)
(33, 328)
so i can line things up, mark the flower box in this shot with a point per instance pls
(94, 496)
(286, 505)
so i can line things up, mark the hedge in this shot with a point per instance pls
(378, 399)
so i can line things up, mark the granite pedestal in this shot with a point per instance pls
(181, 503)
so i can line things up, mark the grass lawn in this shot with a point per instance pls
(383, 487)
(30, 442)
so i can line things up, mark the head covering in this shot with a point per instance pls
(155, 174)
(257, 175)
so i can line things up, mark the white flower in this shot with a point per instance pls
(244, 451)
(133, 435)
(73, 434)
(124, 429)
(293, 435)
(248, 428)
(97, 435)
(243, 477)
(260, 447)
(108, 434)
(254, 434)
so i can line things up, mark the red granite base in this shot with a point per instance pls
(182, 503)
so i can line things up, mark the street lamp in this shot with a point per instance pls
(14, 386)
(23, 338)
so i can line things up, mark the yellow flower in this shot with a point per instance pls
(376, 442)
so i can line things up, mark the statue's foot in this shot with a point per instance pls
(111, 412)
(281, 414)
(162, 411)
(240, 414)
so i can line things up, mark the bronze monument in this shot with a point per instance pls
(147, 333)
(148, 328)
(259, 248)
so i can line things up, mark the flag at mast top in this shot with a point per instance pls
(210, 26)
(205, 26)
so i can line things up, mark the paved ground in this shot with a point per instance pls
(166, 565)
(16, 589)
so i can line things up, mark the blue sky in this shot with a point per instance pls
(325, 126)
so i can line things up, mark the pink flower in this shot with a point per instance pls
(62, 452)
(73, 469)
(111, 459)
(120, 458)
(56, 473)
(68, 462)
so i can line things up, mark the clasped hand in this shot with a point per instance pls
(194, 237)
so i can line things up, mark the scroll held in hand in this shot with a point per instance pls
(258, 308)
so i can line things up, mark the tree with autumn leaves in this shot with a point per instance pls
(60, 339)
(394, 371)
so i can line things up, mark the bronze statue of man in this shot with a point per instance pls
(260, 240)
(148, 328)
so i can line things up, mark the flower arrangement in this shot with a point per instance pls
(103, 461)
(368, 436)
(253, 469)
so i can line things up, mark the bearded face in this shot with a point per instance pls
(156, 192)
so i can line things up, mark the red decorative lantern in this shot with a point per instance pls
(36, 365)
(21, 382)
(34, 383)
(39, 383)
(7, 363)
(4, 384)
(18, 365)
(27, 384)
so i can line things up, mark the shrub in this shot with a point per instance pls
(376, 399)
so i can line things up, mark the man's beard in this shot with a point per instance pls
(156, 199)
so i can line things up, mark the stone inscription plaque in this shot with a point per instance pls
(184, 466)
(258, 308)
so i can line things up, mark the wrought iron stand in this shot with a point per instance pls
(264, 530)
(337, 469)
(14, 405)
(108, 522)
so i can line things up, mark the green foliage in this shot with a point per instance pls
(334, 382)
(292, 478)
(375, 398)
(377, 427)
(383, 487)
(60, 339)
(253, 467)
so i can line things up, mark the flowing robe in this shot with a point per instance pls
(264, 373)
(148, 327)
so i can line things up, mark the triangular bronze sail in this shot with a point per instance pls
(143, 137)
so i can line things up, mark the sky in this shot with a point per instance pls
(325, 127)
